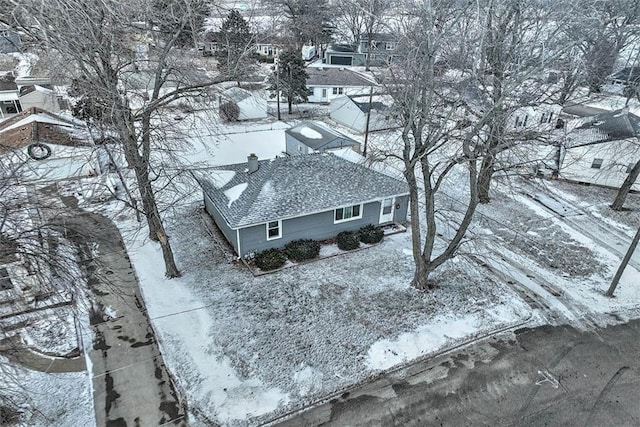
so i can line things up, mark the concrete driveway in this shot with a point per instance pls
(132, 386)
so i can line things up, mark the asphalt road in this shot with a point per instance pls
(548, 376)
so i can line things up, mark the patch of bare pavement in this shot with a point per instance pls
(131, 385)
(551, 375)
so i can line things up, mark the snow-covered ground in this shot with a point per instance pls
(245, 348)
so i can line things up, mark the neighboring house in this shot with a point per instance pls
(268, 49)
(327, 83)
(601, 149)
(538, 118)
(49, 146)
(382, 48)
(9, 39)
(310, 137)
(352, 111)
(619, 82)
(9, 96)
(39, 96)
(266, 204)
(250, 105)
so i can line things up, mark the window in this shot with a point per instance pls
(5, 280)
(324, 93)
(521, 121)
(597, 163)
(390, 46)
(546, 118)
(338, 90)
(274, 230)
(348, 213)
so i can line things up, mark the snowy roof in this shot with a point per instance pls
(237, 94)
(332, 76)
(317, 136)
(609, 126)
(38, 125)
(378, 102)
(294, 186)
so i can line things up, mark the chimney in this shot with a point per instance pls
(252, 162)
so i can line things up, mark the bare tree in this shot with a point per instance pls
(101, 44)
(363, 18)
(308, 20)
(433, 150)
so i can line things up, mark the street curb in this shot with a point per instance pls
(336, 395)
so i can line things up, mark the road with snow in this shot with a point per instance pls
(543, 376)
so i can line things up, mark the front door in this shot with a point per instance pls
(386, 211)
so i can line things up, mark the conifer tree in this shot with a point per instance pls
(289, 78)
(235, 48)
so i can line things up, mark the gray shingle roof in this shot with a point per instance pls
(328, 139)
(294, 186)
(619, 124)
(335, 76)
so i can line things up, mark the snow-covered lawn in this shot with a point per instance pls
(247, 348)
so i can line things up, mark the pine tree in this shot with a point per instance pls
(235, 47)
(289, 78)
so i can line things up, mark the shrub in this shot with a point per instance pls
(270, 259)
(303, 249)
(348, 240)
(371, 234)
(230, 111)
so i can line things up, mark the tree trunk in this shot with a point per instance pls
(484, 178)
(289, 102)
(621, 197)
(421, 276)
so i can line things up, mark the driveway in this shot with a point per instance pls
(131, 385)
(542, 376)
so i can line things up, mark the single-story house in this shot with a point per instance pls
(9, 96)
(310, 137)
(352, 111)
(601, 149)
(327, 83)
(251, 105)
(619, 82)
(50, 146)
(9, 39)
(535, 118)
(265, 204)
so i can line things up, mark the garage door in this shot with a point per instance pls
(340, 60)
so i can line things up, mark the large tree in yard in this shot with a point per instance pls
(434, 152)
(98, 46)
(235, 48)
(289, 78)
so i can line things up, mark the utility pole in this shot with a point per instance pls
(278, 86)
(623, 264)
(366, 129)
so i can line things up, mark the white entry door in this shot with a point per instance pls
(386, 211)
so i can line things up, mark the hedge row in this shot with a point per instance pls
(305, 249)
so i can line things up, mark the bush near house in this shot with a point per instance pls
(371, 234)
(270, 259)
(348, 240)
(303, 249)
(230, 111)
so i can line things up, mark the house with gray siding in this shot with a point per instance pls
(9, 39)
(265, 204)
(311, 137)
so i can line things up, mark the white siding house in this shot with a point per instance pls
(351, 111)
(327, 83)
(602, 149)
